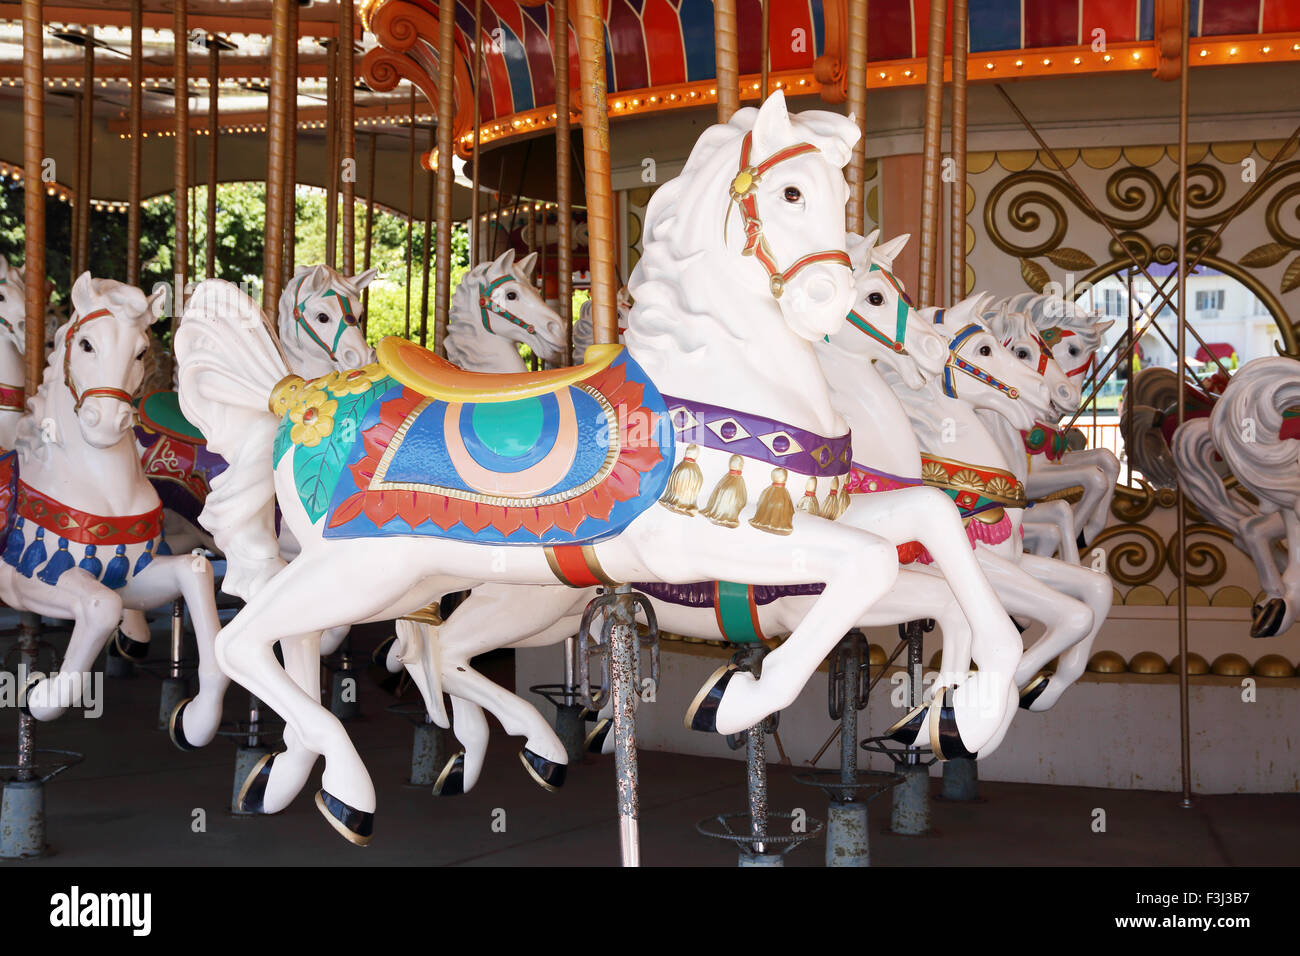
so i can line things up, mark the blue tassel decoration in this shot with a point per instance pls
(117, 570)
(14, 546)
(91, 564)
(61, 562)
(164, 549)
(34, 556)
(143, 561)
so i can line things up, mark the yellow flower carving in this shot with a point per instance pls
(313, 419)
(354, 381)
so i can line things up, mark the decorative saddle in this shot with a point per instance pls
(175, 455)
(413, 445)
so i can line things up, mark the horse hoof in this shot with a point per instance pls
(587, 715)
(1019, 627)
(945, 739)
(595, 742)
(1268, 618)
(1081, 543)
(1032, 691)
(252, 795)
(702, 715)
(176, 726)
(548, 774)
(451, 782)
(123, 646)
(904, 731)
(355, 826)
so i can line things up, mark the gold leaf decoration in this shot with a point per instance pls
(1269, 254)
(1075, 260)
(1035, 276)
(1291, 278)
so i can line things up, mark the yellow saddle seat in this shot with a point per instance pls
(418, 368)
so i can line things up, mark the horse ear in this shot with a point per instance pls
(1102, 326)
(364, 279)
(153, 305)
(83, 294)
(886, 252)
(5, 268)
(772, 128)
(527, 264)
(301, 270)
(859, 250)
(507, 260)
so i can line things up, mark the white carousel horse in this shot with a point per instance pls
(496, 308)
(882, 330)
(1253, 426)
(13, 346)
(583, 332)
(87, 539)
(387, 532)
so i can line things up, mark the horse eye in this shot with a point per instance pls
(792, 194)
(876, 298)
(2, 296)
(140, 357)
(1022, 353)
(1074, 350)
(512, 296)
(985, 350)
(322, 318)
(86, 346)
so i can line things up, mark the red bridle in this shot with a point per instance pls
(1054, 335)
(104, 390)
(745, 194)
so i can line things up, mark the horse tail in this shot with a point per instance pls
(1247, 424)
(228, 362)
(1194, 453)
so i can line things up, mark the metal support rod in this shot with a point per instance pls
(601, 233)
(214, 131)
(475, 227)
(134, 113)
(623, 651)
(29, 630)
(957, 212)
(347, 129)
(563, 154)
(178, 636)
(332, 150)
(852, 663)
(915, 643)
(756, 777)
(1184, 710)
(181, 155)
(765, 53)
(85, 135)
(424, 265)
(855, 79)
(277, 132)
(727, 55)
(370, 225)
(445, 171)
(34, 197)
(931, 150)
(290, 185)
(410, 214)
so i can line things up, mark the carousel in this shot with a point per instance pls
(898, 398)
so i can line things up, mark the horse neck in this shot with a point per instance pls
(773, 372)
(883, 438)
(12, 367)
(1008, 440)
(968, 439)
(478, 350)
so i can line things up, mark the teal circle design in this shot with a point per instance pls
(509, 429)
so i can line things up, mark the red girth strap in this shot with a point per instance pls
(105, 390)
(745, 195)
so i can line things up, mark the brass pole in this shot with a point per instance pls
(445, 173)
(855, 80)
(434, 135)
(765, 61)
(332, 148)
(932, 142)
(181, 155)
(289, 187)
(347, 122)
(133, 174)
(74, 224)
(475, 228)
(727, 53)
(600, 195)
(410, 211)
(214, 130)
(1184, 691)
(85, 135)
(277, 132)
(957, 255)
(33, 193)
(370, 225)
(563, 179)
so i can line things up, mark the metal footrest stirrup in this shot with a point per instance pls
(910, 635)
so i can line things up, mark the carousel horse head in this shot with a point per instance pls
(13, 307)
(1072, 332)
(981, 372)
(883, 325)
(320, 321)
(98, 362)
(1012, 323)
(583, 330)
(497, 306)
(763, 197)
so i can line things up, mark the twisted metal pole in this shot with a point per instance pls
(33, 194)
(332, 147)
(855, 80)
(85, 133)
(957, 254)
(563, 175)
(445, 173)
(135, 112)
(727, 55)
(932, 142)
(289, 187)
(214, 130)
(347, 121)
(277, 132)
(180, 155)
(1184, 691)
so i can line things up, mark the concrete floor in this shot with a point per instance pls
(133, 801)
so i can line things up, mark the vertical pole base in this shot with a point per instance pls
(343, 684)
(750, 858)
(847, 842)
(22, 820)
(572, 731)
(117, 667)
(910, 814)
(174, 690)
(428, 755)
(246, 759)
(960, 780)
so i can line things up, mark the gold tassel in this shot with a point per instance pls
(808, 502)
(831, 504)
(684, 485)
(775, 506)
(728, 498)
(845, 499)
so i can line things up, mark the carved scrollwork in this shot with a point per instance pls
(1206, 563)
(1135, 554)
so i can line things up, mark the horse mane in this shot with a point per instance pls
(1003, 318)
(464, 345)
(1053, 311)
(1261, 392)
